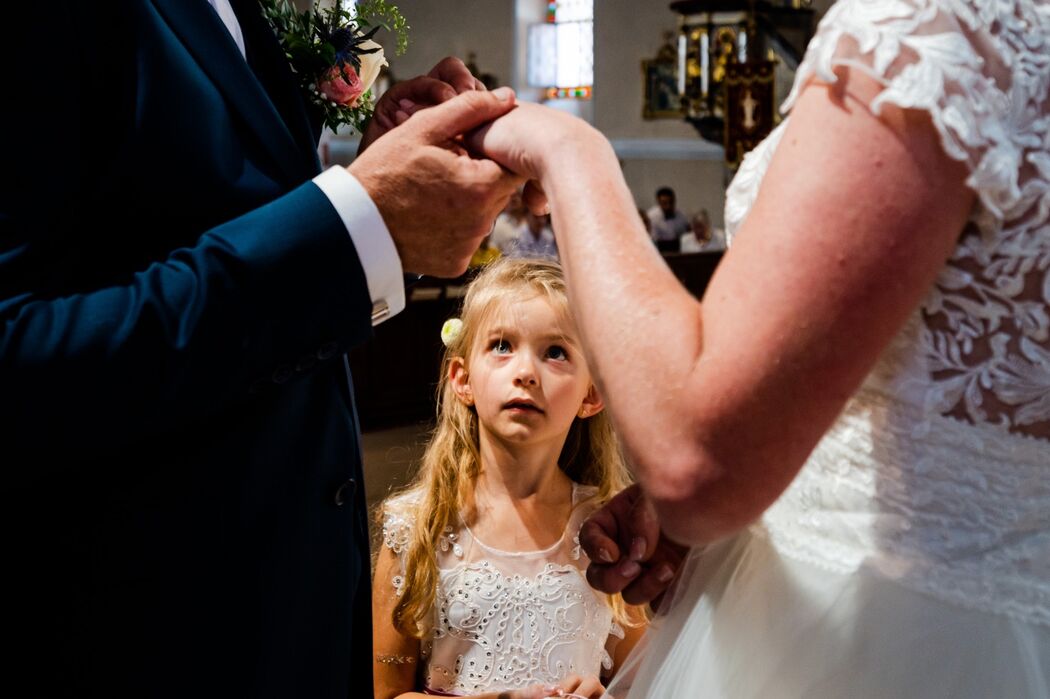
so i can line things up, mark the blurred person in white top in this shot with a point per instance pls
(666, 223)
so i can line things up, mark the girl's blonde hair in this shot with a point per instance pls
(445, 481)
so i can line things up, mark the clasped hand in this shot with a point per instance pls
(437, 201)
(627, 551)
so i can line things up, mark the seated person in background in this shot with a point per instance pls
(507, 223)
(704, 237)
(479, 582)
(666, 223)
(534, 238)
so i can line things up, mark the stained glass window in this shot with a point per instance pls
(561, 50)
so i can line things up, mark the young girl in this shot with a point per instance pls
(479, 584)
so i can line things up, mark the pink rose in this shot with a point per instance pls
(342, 85)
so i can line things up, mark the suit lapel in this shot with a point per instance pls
(210, 43)
(267, 60)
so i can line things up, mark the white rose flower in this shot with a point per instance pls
(371, 63)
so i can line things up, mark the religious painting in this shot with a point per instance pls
(662, 100)
(749, 107)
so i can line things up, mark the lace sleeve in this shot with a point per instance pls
(981, 70)
(978, 68)
(398, 517)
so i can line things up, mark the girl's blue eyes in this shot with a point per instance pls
(503, 347)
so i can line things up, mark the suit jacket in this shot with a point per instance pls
(186, 510)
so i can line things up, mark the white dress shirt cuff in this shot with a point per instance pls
(375, 248)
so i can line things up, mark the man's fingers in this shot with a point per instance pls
(657, 574)
(613, 578)
(650, 584)
(402, 101)
(409, 107)
(485, 177)
(453, 71)
(645, 529)
(462, 113)
(384, 121)
(606, 534)
(535, 198)
(598, 538)
(423, 90)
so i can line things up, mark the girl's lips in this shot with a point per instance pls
(521, 405)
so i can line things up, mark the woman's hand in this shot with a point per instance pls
(531, 139)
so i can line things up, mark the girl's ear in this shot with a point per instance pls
(592, 403)
(459, 379)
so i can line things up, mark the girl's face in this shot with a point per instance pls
(527, 377)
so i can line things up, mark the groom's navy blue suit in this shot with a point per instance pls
(179, 438)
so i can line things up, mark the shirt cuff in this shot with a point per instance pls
(375, 248)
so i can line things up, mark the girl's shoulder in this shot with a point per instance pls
(399, 516)
(406, 501)
(585, 497)
(585, 501)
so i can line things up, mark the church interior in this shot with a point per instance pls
(681, 89)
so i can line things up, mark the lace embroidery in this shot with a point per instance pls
(397, 533)
(937, 473)
(505, 620)
(519, 630)
(448, 540)
(960, 515)
(982, 73)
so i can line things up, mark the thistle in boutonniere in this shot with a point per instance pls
(332, 51)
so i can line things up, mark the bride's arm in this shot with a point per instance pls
(720, 403)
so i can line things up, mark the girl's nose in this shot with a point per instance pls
(525, 374)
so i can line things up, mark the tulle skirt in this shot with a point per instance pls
(746, 621)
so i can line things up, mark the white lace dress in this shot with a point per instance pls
(911, 555)
(509, 619)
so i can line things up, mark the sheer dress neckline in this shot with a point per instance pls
(546, 551)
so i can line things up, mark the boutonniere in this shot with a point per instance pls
(333, 52)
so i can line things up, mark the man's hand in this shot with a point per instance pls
(436, 200)
(628, 554)
(444, 81)
(526, 140)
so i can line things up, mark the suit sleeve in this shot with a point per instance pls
(259, 301)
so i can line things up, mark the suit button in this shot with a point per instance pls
(282, 374)
(346, 492)
(327, 351)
